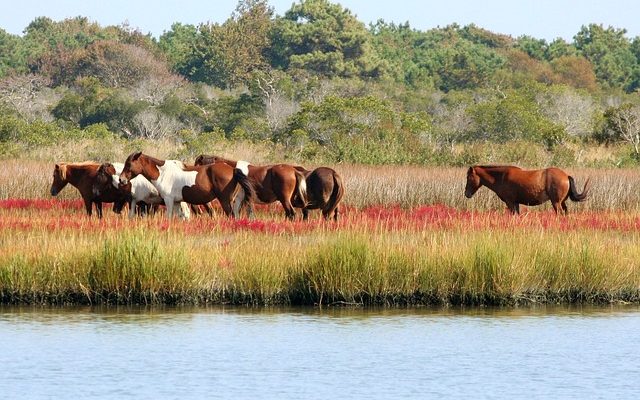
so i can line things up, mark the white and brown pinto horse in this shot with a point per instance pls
(516, 186)
(143, 194)
(279, 182)
(177, 182)
(82, 176)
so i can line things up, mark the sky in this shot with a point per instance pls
(542, 19)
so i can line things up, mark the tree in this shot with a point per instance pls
(575, 71)
(535, 48)
(623, 123)
(225, 55)
(323, 38)
(610, 53)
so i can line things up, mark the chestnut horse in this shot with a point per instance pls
(82, 177)
(324, 192)
(198, 184)
(516, 186)
(271, 182)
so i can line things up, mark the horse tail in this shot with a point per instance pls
(301, 187)
(245, 184)
(573, 192)
(336, 193)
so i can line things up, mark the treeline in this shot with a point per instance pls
(317, 84)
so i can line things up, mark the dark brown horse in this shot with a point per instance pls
(324, 192)
(279, 182)
(198, 184)
(82, 176)
(516, 186)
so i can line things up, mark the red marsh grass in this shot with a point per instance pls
(50, 252)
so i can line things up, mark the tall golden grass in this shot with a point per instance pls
(407, 186)
(64, 257)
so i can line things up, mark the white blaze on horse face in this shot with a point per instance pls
(172, 179)
(243, 166)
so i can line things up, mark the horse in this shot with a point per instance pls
(82, 176)
(324, 191)
(279, 182)
(198, 184)
(143, 194)
(515, 186)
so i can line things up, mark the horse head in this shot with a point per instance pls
(139, 164)
(473, 183)
(104, 178)
(59, 178)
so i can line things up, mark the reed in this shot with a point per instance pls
(406, 186)
(386, 256)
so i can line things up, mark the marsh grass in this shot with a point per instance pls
(406, 186)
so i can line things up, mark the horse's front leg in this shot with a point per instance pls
(88, 206)
(132, 208)
(99, 209)
(169, 202)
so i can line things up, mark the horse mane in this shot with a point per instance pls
(64, 167)
(496, 170)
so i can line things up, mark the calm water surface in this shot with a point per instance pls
(239, 353)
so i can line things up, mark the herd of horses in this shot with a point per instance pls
(145, 182)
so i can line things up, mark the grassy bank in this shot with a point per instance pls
(379, 255)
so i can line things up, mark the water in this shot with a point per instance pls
(238, 353)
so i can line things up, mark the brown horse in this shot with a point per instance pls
(198, 184)
(82, 176)
(324, 192)
(271, 182)
(516, 186)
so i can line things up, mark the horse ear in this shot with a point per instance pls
(57, 167)
(136, 155)
(470, 171)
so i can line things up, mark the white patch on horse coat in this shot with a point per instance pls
(243, 166)
(172, 179)
(141, 190)
(184, 211)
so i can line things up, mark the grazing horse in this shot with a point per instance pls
(324, 192)
(198, 184)
(516, 186)
(143, 193)
(271, 182)
(82, 176)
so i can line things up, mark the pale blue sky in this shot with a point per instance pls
(544, 19)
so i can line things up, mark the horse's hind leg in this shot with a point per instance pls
(564, 207)
(289, 211)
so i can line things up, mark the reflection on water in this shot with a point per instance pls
(239, 352)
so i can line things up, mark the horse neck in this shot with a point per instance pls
(489, 176)
(75, 173)
(228, 162)
(151, 168)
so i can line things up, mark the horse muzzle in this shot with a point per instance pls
(53, 192)
(123, 181)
